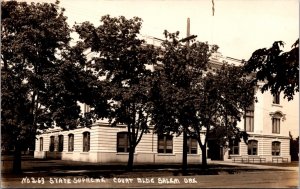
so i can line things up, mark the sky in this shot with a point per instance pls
(238, 27)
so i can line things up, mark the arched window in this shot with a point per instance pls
(41, 143)
(52, 143)
(252, 147)
(275, 125)
(122, 142)
(165, 144)
(60, 143)
(275, 148)
(192, 145)
(86, 141)
(276, 120)
(70, 142)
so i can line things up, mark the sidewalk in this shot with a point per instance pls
(256, 166)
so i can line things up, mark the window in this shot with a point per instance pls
(51, 147)
(41, 143)
(86, 141)
(192, 145)
(71, 143)
(275, 125)
(122, 142)
(276, 98)
(249, 119)
(234, 146)
(60, 143)
(252, 147)
(86, 108)
(165, 144)
(275, 148)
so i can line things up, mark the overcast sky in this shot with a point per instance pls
(238, 27)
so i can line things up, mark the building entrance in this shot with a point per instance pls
(215, 151)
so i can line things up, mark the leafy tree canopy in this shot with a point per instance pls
(42, 77)
(280, 70)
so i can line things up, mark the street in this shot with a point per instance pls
(257, 179)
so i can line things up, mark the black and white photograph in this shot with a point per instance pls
(150, 94)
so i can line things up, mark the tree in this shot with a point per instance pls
(294, 148)
(191, 99)
(121, 59)
(38, 72)
(178, 72)
(280, 70)
(223, 96)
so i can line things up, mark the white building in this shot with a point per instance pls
(268, 124)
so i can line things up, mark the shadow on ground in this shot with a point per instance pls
(62, 168)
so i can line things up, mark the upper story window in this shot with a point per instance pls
(252, 147)
(60, 143)
(192, 145)
(122, 142)
(249, 119)
(41, 143)
(275, 148)
(276, 125)
(277, 117)
(276, 98)
(70, 142)
(86, 141)
(165, 144)
(52, 143)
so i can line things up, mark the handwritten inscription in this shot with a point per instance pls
(57, 180)
(78, 180)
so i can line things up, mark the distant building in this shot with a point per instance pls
(267, 122)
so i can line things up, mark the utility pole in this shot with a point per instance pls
(185, 147)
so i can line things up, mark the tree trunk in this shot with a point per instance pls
(184, 154)
(130, 159)
(17, 166)
(204, 156)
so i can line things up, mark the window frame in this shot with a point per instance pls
(60, 143)
(276, 98)
(249, 119)
(52, 144)
(123, 137)
(252, 144)
(274, 150)
(165, 140)
(276, 125)
(86, 141)
(192, 145)
(234, 145)
(70, 142)
(41, 144)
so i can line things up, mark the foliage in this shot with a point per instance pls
(279, 69)
(178, 72)
(224, 94)
(120, 59)
(41, 82)
(189, 97)
(294, 148)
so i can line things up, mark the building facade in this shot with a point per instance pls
(267, 122)
(105, 144)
